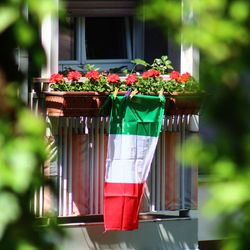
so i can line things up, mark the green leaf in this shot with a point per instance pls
(8, 15)
(24, 33)
(43, 8)
(139, 61)
(9, 208)
(26, 246)
(89, 67)
(22, 162)
(239, 10)
(30, 124)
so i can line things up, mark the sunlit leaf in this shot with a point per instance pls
(22, 162)
(44, 8)
(31, 124)
(24, 33)
(8, 15)
(239, 10)
(26, 246)
(224, 168)
(138, 61)
(227, 197)
(9, 208)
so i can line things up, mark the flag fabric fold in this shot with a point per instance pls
(133, 135)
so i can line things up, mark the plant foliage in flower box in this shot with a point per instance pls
(91, 89)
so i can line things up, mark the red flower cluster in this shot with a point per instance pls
(131, 79)
(74, 75)
(151, 73)
(93, 75)
(185, 77)
(175, 75)
(113, 78)
(56, 78)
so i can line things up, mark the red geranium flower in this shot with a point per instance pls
(131, 79)
(185, 77)
(74, 75)
(56, 78)
(93, 75)
(154, 72)
(175, 75)
(113, 78)
(151, 73)
(145, 74)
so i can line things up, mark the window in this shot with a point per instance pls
(67, 40)
(107, 38)
(107, 42)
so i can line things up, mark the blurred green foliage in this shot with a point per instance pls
(221, 31)
(22, 144)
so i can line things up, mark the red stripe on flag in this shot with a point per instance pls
(121, 205)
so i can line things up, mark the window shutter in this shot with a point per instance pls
(100, 8)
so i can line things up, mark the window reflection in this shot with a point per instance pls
(67, 39)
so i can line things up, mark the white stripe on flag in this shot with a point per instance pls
(129, 158)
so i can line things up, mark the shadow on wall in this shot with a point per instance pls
(175, 234)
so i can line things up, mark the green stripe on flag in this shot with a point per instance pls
(139, 115)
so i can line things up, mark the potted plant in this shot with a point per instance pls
(77, 94)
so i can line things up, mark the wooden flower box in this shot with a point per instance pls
(73, 104)
(183, 104)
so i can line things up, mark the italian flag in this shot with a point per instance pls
(134, 130)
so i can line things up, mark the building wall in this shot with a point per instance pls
(172, 234)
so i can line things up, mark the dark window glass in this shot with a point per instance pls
(67, 39)
(155, 42)
(105, 38)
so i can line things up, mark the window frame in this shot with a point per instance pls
(81, 58)
(78, 47)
